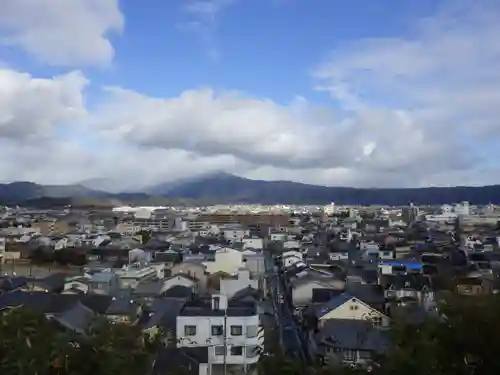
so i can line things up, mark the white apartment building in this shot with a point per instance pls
(231, 332)
(132, 274)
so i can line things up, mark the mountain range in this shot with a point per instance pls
(227, 188)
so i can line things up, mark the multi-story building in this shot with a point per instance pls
(155, 220)
(230, 331)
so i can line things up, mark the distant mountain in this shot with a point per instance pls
(45, 196)
(166, 187)
(23, 190)
(224, 187)
(110, 185)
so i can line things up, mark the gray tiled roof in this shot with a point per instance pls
(353, 334)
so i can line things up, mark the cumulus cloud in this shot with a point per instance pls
(412, 110)
(260, 132)
(30, 108)
(445, 71)
(32, 112)
(62, 32)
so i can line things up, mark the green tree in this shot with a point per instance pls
(31, 344)
(462, 341)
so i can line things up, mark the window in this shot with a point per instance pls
(252, 331)
(219, 350)
(377, 321)
(236, 330)
(236, 350)
(354, 307)
(216, 303)
(349, 355)
(217, 331)
(189, 330)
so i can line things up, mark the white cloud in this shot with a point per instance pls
(62, 32)
(201, 18)
(414, 111)
(445, 71)
(30, 108)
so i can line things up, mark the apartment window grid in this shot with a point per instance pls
(236, 330)
(189, 330)
(217, 330)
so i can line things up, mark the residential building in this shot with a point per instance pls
(345, 306)
(132, 274)
(230, 331)
(229, 287)
(226, 260)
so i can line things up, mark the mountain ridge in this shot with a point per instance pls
(221, 187)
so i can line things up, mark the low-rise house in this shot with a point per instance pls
(226, 260)
(278, 236)
(229, 287)
(350, 342)
(255, 263)
(77, 318)
(149, 290)
(473, 286)
(256, 243)
(11, 283)
(304, 283)
(48, 304)
(190, 361)
(76, 285)
(349, 307)
(193, 269)
(133, 274)
(291, 257)
(53, 283)
(123, 310)
(372, 295)
(98, 282)
(234, 233)
(162, 315)
(411, 286)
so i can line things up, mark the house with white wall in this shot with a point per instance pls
(226, 259)
(278, 236)
(291, 257)
(132, 274)
(253, 243)
(234, 234)
(345, 306)
(229, 287)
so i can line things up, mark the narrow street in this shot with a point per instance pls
(288, 330)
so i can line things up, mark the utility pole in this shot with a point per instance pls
(225, 340)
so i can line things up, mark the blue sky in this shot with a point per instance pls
(264, 47)
(333, 92)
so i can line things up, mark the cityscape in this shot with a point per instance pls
(225, 281)
(249, 187)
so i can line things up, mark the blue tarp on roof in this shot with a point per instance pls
(409, 265)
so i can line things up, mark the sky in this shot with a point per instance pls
(128, 93)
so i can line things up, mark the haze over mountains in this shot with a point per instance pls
(227, 188)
